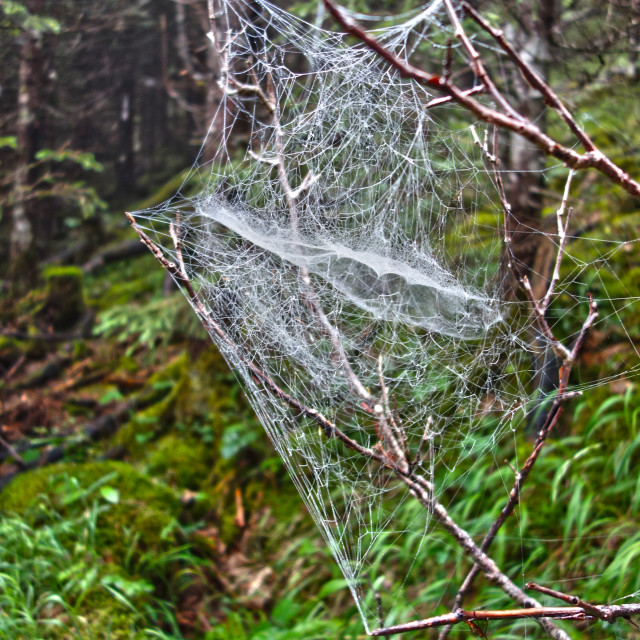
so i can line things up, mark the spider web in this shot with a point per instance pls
(353, 253)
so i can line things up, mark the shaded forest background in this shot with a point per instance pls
(140, 495)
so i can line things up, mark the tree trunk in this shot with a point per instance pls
(532, 251)
(126, 153)
(21, 234)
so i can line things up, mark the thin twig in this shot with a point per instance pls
(242, 87)
(591, 609)
(562, 235)
(609, 613)
(14, 367)
(475, 62)
(436, 102)
(426, 436)
(14, 454)
(560, 350)
(400, 435)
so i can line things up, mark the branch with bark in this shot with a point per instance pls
(502, 115)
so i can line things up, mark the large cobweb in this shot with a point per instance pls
(354, 255)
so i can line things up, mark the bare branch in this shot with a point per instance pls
(436, 102)
(400, 435)
(593, 158)
(560, 350)
(591, 609)
(426, 436)
(605, 612)
(475, 62)
(532, 77)
(562, 235)
(13, 453)
(551, 420)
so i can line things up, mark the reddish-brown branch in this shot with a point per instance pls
(589, 608)
(532, 77)
(608, 613)
(436, 102)
(592, 158)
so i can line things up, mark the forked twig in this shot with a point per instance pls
(533, 78)
(426, 436)
(562, 236)
(608, 613)
(597, 612)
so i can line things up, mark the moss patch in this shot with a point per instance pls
(64, 305)
(181, 461)
(139, 508)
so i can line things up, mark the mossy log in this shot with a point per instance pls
(64, 306)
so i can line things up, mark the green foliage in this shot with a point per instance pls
(10, 142)
(53, 183)
(143, 507)
(86, 160)
(86, 552)
(289, 620)
(235, 438)
(157, 321)
(180, 461)
(17, 14)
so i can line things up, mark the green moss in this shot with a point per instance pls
(208, 392)
(64, 305)
(166, 191)
(102, 617)
(202, 401)
(143, 509)
(180, 460)
(150, 422)
(72, 273)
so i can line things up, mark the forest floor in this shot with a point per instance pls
(154, 504)
(141, 498)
